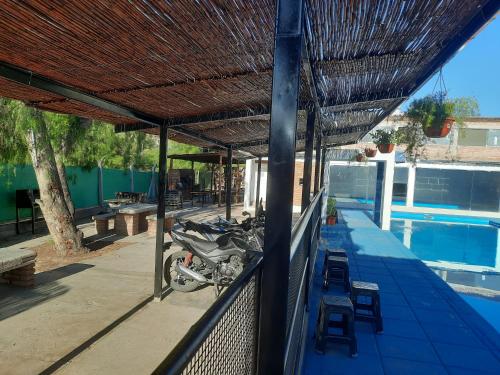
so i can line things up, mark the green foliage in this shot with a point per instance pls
(413, 137)
(384, 137)
(331, 207)
(13, 125)
(432, 110)
(81, 142)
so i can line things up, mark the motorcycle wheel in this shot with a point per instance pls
(173, 278)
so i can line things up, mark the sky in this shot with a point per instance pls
(473, 71)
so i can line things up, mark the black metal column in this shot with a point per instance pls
(323, 164)
(281, 166)
(317, 163)
(379, 193)
(306, 177)
(229, 178)
(257, 193)
(160, 214)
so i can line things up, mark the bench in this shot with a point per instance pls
(168, 226)
(17, 266)
(102, 222)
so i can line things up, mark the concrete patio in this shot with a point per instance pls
(428, 327)
(97, 316)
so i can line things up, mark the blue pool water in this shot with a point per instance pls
(415, 204)
(466, 244)
(466, 254)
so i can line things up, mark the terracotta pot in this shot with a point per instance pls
(442, 131)
(359, 157)
(386, 149)
(331, 220)
(370, 152)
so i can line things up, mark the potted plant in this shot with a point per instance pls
(370, 152)
(360, 157)
(385, 140)
(434, 113)
(429, 117)
(331, 211)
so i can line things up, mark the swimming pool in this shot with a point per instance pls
(465, 255)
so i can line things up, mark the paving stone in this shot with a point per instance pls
(467, 357)
(396, 366)
(401, 328)
(405, 348)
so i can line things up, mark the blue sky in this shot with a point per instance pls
(474, 71)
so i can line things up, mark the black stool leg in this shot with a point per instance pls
(353, 344)
(378, 315)
(321, 325)
(347, 284)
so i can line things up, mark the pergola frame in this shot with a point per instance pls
(290, 54)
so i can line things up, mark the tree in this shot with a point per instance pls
(21, 123)
(64, 132)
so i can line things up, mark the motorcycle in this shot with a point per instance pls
(216, 262)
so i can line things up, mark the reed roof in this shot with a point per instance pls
(207, 59)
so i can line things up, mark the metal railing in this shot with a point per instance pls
(303, 252)
(225, 339)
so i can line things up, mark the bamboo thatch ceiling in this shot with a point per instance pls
(187, 59)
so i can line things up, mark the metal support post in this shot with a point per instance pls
(160, 214)
(219, 200)
(229, 177)
(257, 193)
(323, 164)
(306, 177)
(317, 163)
(379, 191)
(281, 166)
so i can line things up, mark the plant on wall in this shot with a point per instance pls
(385, 140)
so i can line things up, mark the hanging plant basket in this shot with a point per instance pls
(440, 131)
(370, 152)
(386, 148)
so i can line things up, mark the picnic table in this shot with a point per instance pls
(131, 219)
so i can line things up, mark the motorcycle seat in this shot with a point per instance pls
(198, 243)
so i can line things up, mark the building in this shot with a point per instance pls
(477, 141)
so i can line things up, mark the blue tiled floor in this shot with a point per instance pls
(428, 328)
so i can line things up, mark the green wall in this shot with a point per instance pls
(82, 184)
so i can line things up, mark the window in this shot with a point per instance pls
(493, 138)
(472, 137)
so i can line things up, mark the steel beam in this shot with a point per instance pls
(323, 163)
(306, 176)
(147, 121)
(160, 214)
(29, 78)
(229, 178)
(281, 166)
(317, 164)
(257, 193)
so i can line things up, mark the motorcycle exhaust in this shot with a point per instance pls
(192, 274)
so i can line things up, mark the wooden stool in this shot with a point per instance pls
(337, 270)
(369, 311)
(336, 305)
(334, 253)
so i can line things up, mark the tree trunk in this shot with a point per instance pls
(67, 239)
(64, 184)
